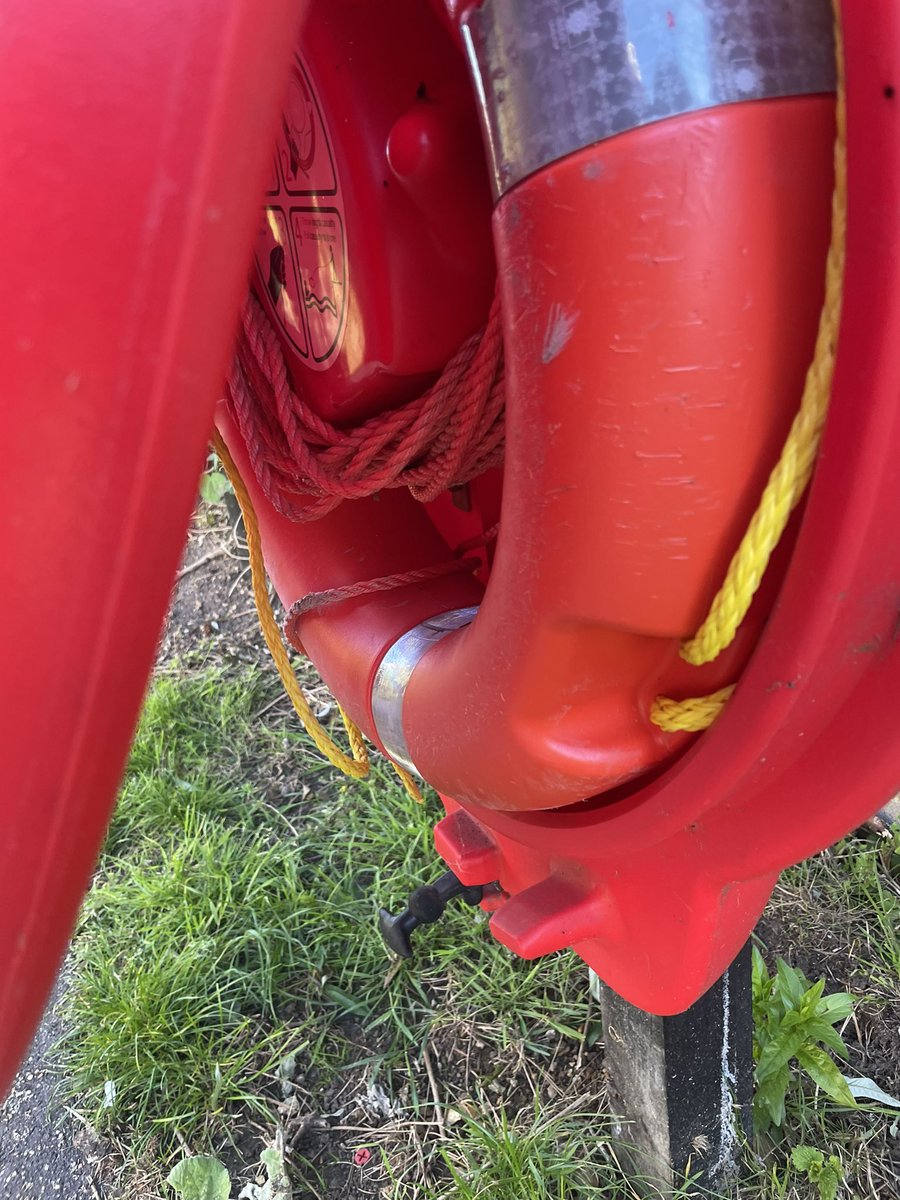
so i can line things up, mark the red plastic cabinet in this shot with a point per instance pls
(136, 144)
(132, 147)
(652, 854)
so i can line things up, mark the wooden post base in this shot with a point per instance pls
(682, 1086)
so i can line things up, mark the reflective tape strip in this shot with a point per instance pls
(554, 76)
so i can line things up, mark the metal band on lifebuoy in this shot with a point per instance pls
(553, 78)
(395, 672)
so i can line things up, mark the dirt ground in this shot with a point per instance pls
(46, 1153)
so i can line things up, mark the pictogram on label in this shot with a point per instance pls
(301, 252)
(318, 237)
(304, 149)
(278, 274)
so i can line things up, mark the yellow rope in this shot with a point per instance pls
(355, 764)
(689, 715)
(789, 477)
(780, 497)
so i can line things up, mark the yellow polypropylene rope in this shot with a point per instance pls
(357, 766)
(785, 488)
(690, 715)
(788, 479)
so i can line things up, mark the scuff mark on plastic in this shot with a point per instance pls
(560, 327)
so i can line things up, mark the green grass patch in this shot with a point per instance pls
(231, 929)
(187, 939)
(538, 1154)
(232, 920)
(857, 883)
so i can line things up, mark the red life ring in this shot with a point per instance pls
(661, 279)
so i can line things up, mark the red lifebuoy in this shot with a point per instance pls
(660, 290)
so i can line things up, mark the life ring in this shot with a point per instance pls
(660, 254)
(657, 883)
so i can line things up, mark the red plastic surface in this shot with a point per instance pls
(673, 876)
(652, 375)
(394, 229)
(658, 883)
(132, 146)
(132, 142)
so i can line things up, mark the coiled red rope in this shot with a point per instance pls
(306, 466)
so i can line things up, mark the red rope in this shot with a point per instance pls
(367, 587)
(306, 466)
(483, 540)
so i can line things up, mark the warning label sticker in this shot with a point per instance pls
(301, 252)
(275, 262)
(318, 237)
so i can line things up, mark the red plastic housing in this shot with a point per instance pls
(133, 141)
(375, 261)
(658, 882)
(659, 890)
(126, 223)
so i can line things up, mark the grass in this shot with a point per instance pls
(864, 886)
(231, 924)
(186, 941)
(532, 1156)
(227, 971)
(836, 915)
